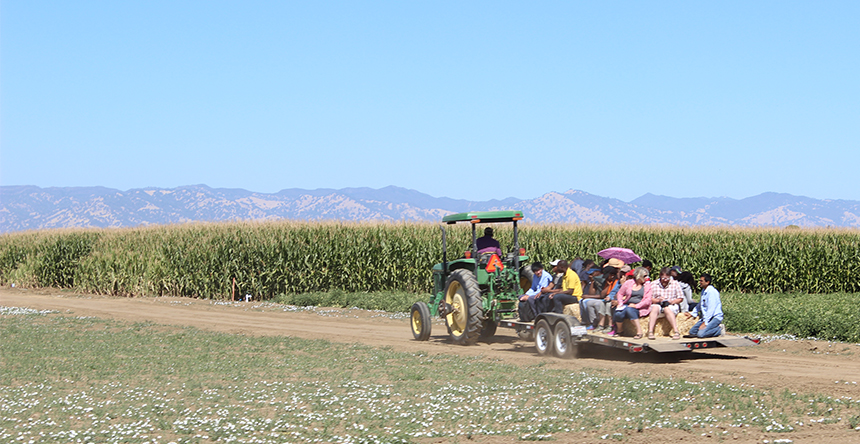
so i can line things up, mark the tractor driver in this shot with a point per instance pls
(486, 242)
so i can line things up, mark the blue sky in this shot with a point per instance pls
(474, 100)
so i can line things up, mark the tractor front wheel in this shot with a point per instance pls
(489, 329)
(420, 321)
(463, 295)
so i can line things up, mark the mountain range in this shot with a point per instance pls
(31, 207)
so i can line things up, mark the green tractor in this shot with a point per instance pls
(474, 293)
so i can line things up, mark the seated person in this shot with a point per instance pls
(585, 276)
(576, 265)
(686, 281)
(541, 284)
(588, 276)
(606, 325)
(710, 311)
(557, 275)
(597, 280)
(597, 306)
(486, 243)
(598, 277)
(666, 298)
(634, 300)
(569, 291)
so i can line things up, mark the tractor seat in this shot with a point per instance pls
(485, 254)
(490, 251)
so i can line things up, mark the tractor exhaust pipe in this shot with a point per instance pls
(516, 248)
(444, 251)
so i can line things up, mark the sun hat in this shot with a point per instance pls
(616, 263)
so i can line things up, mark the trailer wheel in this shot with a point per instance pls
(464, 296)
(489, 329)
(562, 341)
(421, 321)
(543, 337)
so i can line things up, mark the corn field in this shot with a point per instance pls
(275, 258)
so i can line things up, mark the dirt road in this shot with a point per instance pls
(800, 366)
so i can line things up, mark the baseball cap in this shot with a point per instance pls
(555, 262)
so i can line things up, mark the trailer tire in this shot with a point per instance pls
(562, 341)
(489, 329)
(464, 296)
(420, 321)
(543, 337)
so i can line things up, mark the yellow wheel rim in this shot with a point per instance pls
(459, 316)
(416, 322)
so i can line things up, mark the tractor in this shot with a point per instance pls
(477, 291)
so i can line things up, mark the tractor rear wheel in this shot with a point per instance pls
(543, 337)
(421, 321)
(463, 295)
(526, 276)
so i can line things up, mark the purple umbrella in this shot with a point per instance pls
(625, 255)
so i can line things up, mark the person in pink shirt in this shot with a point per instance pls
(634, 300)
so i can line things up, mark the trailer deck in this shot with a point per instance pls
(580, 334)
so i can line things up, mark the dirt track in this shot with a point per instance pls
(803, 366)
(799, 366)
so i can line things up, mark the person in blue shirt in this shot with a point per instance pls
(541, 283)
(710, 311)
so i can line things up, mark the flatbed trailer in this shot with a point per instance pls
(559, 334)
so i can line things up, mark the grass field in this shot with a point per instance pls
(71, 379)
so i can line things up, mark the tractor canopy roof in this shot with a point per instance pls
(484, 217)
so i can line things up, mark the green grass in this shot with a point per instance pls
(64, 379)
(825, 316)
(393, 301)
